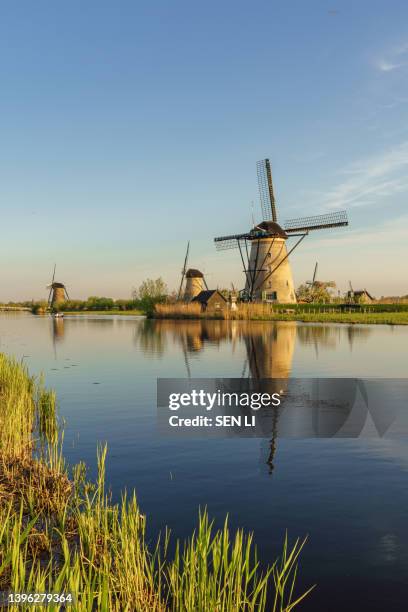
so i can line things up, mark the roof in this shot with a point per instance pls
(193, 273)
(360, 292)
(273, 229)
(58, 286)
(204, 296)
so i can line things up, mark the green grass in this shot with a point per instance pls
(309, 313)
(369, 318)
(64, 534)
(380, 318)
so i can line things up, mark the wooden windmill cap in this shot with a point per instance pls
(193, 273)
(273, 229)
(58, 286)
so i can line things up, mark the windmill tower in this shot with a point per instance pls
(194, 284)
(58, 292)
(263, 250)
(195, 280)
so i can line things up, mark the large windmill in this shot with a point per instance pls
(58, 292)
(264, 255)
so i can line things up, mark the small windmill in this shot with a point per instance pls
(58, 292)
(268, 275)
(194, 280)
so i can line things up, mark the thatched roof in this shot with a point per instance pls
(204, 296)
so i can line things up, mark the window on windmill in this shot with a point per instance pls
(272, 296)
(217, 305)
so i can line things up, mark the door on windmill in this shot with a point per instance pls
(269, 296)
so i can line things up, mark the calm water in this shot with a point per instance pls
(349, 496)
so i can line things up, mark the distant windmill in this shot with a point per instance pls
(268, 274)
(194, 280)
(58, 292)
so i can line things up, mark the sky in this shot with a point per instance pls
(128, 128)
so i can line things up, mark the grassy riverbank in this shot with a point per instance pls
(369, 318)
(61, 533)
(374, 314)
(122, 313)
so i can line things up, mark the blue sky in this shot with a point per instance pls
(129, 127)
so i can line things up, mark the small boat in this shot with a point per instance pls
(58, 315)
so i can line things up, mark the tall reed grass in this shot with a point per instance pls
(60, 534)
(317, 313)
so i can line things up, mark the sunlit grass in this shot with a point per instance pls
(61, 534)
(270, 312)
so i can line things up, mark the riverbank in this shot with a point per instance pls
(61, 533)
(379, 314)
(122, 313)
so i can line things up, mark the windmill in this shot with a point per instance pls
(263, 251)
(194, 280)
(58, 292)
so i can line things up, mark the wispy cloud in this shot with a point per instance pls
(370, 180)
(394, 59)
(386, 66)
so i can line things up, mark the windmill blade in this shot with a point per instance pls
(66, 293)
(49, 295)
(266, 195)
(230, 242)
(205, 283)
(314, 274)
(183, 272)
(53, 275)
(307, 224)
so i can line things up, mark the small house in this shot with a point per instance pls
(360, 297)
(211, 301)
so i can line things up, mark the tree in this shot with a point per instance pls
(151, 289)
(319, 292)
(150, 293)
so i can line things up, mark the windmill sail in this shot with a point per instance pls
(183, 272)
(314, 274)
(50, 285)
(222, 243)
(307, 224)
(266, 194)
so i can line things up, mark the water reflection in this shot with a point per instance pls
(310, 408)
(58, 329)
